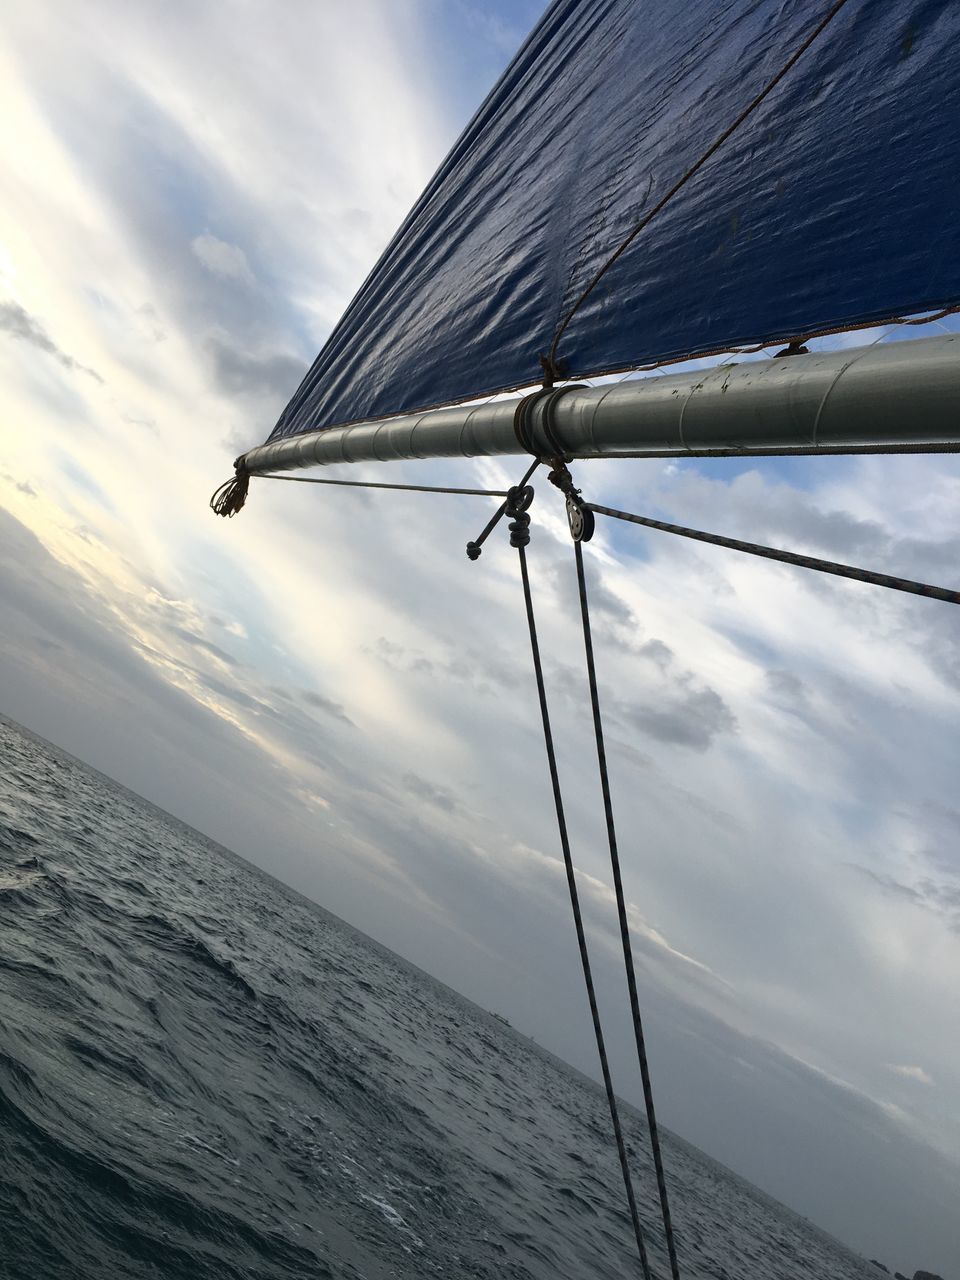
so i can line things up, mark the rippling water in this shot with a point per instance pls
(203, 1074)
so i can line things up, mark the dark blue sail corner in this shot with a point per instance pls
(832, 206)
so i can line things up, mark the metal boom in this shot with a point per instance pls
(886, 398)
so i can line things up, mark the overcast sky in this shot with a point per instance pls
(190, 195)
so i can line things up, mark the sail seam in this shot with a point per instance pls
(691, 173)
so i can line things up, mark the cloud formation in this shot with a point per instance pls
(17, 323)
(221, 258)
(912, 1073)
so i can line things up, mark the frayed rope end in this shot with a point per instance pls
(231, 496)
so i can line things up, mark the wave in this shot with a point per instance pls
(13, 838)
(119, 1202)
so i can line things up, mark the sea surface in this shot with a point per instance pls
(205, 1075)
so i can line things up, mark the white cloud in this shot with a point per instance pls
(912, 1073)
(221, 258)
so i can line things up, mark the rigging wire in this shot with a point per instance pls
(231, 496)
(787, 557)
(372, 484)
(622, 917)
(690, 173)
(519, 537)
(785, 451)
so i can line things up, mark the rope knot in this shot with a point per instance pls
(232, 494)
(795, 347)
(561, 478)
(518, 500)
(553, 368)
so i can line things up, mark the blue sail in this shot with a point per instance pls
(833, 205)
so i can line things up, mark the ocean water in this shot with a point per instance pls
(204, 1075)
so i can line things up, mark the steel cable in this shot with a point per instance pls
(787, 557)
(374, 484)
(622, 917)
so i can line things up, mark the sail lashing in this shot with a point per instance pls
(895, 397)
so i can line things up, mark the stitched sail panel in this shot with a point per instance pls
(833, 205)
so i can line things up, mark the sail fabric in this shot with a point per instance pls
(833, 205)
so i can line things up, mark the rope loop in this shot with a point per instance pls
(547, 398)
(232, 494)
(521, 420)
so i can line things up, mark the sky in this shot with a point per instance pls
(189, 197)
